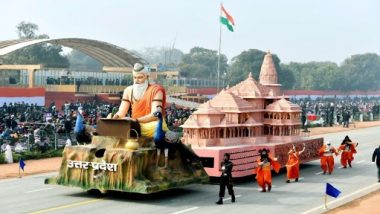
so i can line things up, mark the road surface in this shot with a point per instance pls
(31, 195)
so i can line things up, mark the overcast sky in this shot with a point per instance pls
(295, 30)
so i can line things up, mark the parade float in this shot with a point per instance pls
(247, 117)
(118, 159)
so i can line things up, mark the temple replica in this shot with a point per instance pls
(244, 118)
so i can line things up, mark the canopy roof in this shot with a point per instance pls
(108, 54)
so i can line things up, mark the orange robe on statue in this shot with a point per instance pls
(293, 165)
(263, 172)
(347, 154)
(144, 105)
(327, 158)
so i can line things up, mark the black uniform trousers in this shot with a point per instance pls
(225, 181)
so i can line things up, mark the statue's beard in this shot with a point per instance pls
(139, 89)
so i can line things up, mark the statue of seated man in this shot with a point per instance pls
(142, 99)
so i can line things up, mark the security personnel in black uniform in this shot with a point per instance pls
(226, 179)
(376, 155)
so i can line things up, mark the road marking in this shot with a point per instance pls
(300, 178)
(66, 206)
(340, 167)
(186, 210)
(318, 173)
(361, 161)
(342, 198)
(37, 190)
(247, 188)
(229, 198)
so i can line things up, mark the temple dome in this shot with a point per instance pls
(228, 102)
(206, 108)
(283, 105)
(249, 88)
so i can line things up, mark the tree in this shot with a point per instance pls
(314, 75)
(46, 54)
(361, 72)
(250, 61)
(82, 62)
(286, 78)
(202, 63)
(162, 55)
(27, 30)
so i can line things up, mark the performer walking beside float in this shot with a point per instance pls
(348, 149)
(376, 158)
(326, 153)
(293, 164)
(226, 179)
(263, 173)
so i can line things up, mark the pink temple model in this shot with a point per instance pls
(245, 118)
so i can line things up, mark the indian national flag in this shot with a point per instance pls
(227, 19)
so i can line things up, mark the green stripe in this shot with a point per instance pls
(225, 21)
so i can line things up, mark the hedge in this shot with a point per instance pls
(32, 155)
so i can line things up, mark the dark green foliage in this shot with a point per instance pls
(250, 61)
(2, 158)
(46, 54)
(202, 63)
(358, 72)
(33, 155)
(314, 75)
(361, 72)
(82, 62)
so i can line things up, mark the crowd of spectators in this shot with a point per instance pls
(39, 127)
(341, 111)
(64, 80)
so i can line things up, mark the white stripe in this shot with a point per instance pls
(318, 173)
(361, 161)
(236, 196)
(342, 198)
(37, 190)
(40, 100)
(340, 167)
(247, 188)
(187, 210)
(300, 178)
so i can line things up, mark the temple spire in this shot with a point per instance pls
(268, 73)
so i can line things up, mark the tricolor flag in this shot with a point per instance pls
(227, 19)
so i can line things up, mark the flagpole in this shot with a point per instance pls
(220, 44)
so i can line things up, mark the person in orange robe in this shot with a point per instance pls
(293, 164)
(142, 99)
(263, 172)
(348, 149)
(326, 153)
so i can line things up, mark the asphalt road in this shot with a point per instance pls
(31, 195)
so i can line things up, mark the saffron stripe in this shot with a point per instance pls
(229, 17)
